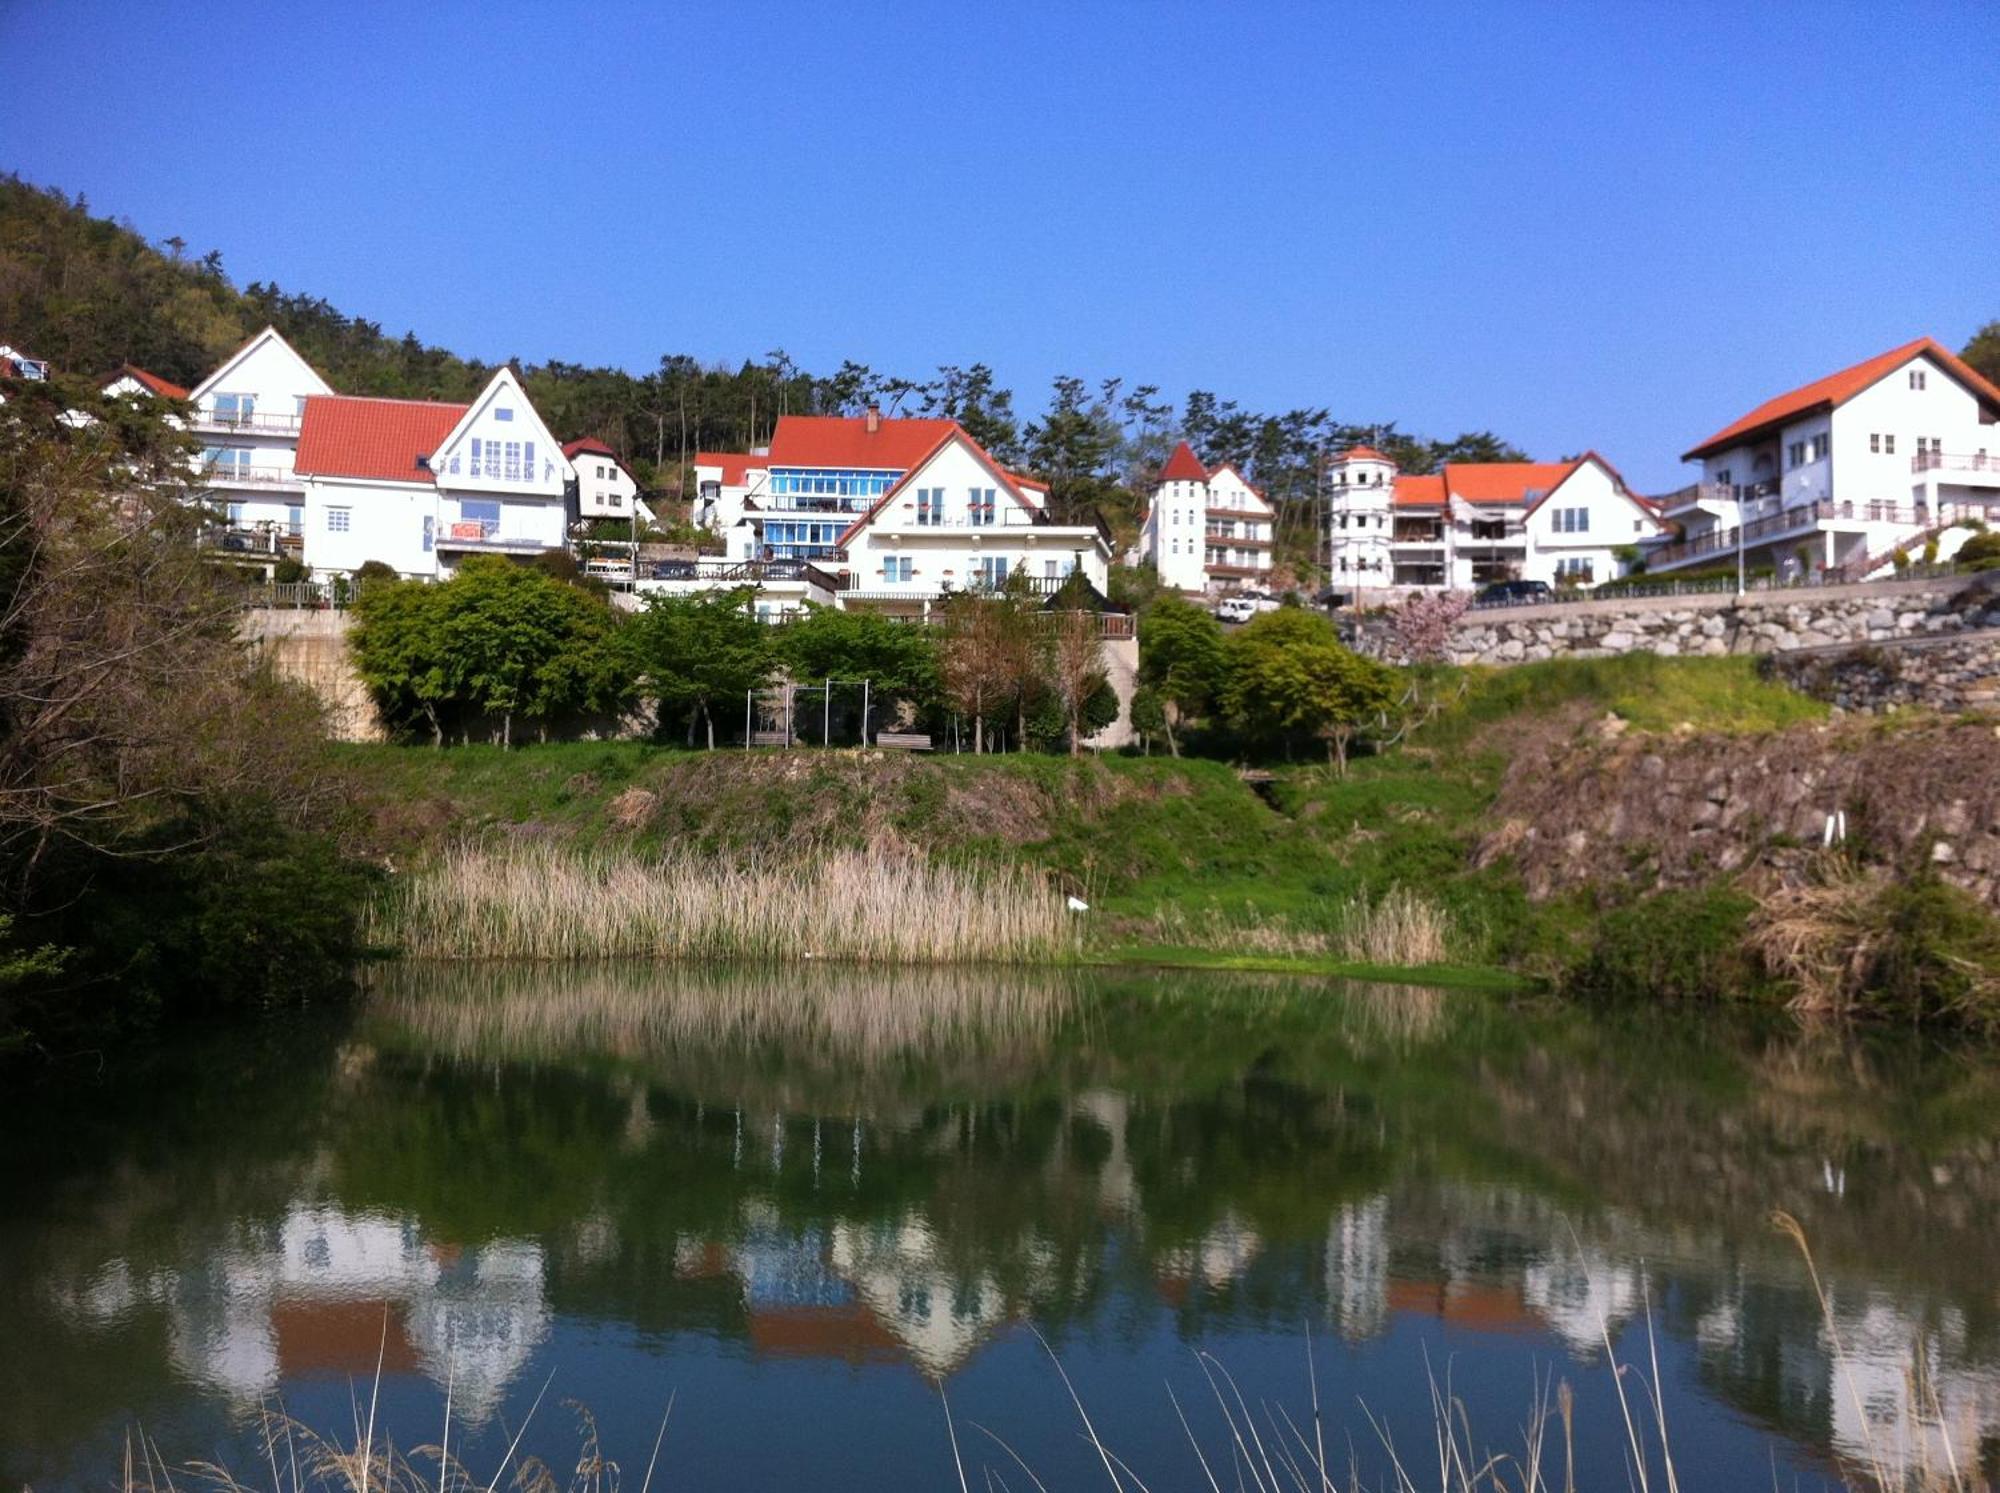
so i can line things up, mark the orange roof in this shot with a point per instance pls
(1504, 482)
(736, 465)
(1184, 466)
(1837, 389)
(838, 441)
(343, 1337)
(1426, 491)
(846, 1332)
(374, 438)
(1361, 453)
(1462, 1304)
(589, 445)
(152, 381)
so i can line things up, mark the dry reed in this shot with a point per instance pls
(1402, 928)
(549, 902)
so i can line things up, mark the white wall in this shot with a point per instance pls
(1613, 520)
(1943, 408)
(604, 488)
(1179, 512)
(384, 521)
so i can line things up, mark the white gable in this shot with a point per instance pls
(501, 445)
(268, 367)
(957, 470)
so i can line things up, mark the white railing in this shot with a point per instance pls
(254, 420)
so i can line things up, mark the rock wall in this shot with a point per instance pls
(1675, 811)
(1953, 673)
(1717, 623)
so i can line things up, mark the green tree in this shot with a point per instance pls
(698, 655)
(1181, 659)
(899, 660)
(1289, 677)
(1983, 351)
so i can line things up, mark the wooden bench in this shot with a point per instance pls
(770, 738)
(904, 741)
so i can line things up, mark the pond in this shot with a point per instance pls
(800, 1201)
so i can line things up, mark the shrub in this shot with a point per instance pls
(1980, 552)
(1676, 946)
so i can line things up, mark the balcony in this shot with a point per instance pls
(1241, 540)
(233, 474)
(262, 539)
(255, 421)
(484, 535)
(726, 573)
(1975, 467)
(1758, 531)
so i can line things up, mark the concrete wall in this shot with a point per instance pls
(1716, 623)
(311, 647)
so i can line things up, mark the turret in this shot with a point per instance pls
(1361, 497)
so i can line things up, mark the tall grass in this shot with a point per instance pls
(1401, 928)
(541, 901)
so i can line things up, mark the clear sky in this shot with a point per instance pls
(1587, 225)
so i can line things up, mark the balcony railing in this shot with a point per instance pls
(743, 573)
(484, 533)
(262, 539)
(254, 420)
(1758, 531)
(1955, 461)
(1238, 539)
(245, 474)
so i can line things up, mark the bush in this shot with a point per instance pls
(1980, 552)
(1676, 946)
(289, 571)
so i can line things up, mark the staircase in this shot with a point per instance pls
(1860, 569)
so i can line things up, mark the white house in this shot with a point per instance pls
(420, 485)
(1206, 530)
(1839, 473)
(247, 415)
(129, 381)
(1471, 523)
(605, 488)
(889, 513)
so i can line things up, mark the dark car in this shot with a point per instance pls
(1513, 593)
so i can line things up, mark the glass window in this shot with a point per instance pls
(339, 520)
(503, 413)
(295, 520)
(480, 511)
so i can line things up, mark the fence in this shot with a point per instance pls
(1713, 586)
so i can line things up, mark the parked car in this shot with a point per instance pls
(1237, 609)
(1516, 593)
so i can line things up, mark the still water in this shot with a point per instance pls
(798, 1201)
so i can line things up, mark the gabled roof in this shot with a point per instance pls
(150, 381)
(1504, 483)
(953, 433)
(1837, 388)
(736, 465)
(589, 446)
(1424, 491)
(1226, 467)
(1361, 453)
(269, 334)
(378, 439)
(1183, 466)
(839, 441)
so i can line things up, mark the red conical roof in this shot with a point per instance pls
(1184, 466)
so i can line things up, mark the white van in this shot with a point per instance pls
(1237, 609)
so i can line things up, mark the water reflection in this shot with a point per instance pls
(892, 1171)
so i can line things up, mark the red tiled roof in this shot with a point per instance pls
(375, 438)
(1184, 466)
(590, 445)
(1425, 491)
(152, 381)
(1361, 453)
(736, 465)
(838, 441)
(343, 1337)
(1837, 389)
(1502, 483)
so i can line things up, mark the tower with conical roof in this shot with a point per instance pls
(1174, 523)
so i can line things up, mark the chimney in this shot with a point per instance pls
(874, 420)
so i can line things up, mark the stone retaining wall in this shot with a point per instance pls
(1678, 626)
(1954, 672)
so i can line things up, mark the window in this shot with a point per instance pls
(1572, 521)
(1816, 448)
(430, 533)
(527, 461)
(1575, 567)
(899, 568)
(502, 413)
(1889, 444)
(993, 571)
(1795, 454)
(339, 520)
(613, 499)
(1051, 570)
(930, 507)
(235, 409)
(235, 515)
(1875, 442)
(979, 507)
(482, 511)
(1722, 477)
(1916, 378)
(295, 520)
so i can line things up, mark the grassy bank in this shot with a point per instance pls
(628, 848)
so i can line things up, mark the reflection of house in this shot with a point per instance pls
(1223, 1252)
(1357, 1268)
(328, 1292)
(1584, 1296)
(939, 1315)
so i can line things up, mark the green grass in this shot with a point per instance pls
(1444, 976)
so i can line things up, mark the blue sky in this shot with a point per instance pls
(1609, 226)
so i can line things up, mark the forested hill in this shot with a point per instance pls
(88, 294)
